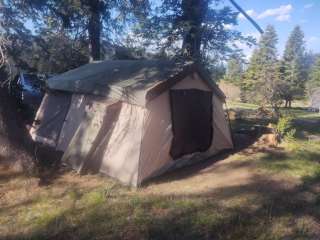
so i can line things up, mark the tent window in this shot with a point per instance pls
(191, 114)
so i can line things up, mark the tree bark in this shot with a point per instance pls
(94, 29)
(193, 15)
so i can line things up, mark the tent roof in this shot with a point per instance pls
(124, 77)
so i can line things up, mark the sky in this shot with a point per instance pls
(284, 15)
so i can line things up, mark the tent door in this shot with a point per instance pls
(191, 114)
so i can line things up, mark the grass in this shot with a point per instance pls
(240, 105)
(298, 160)
(295, 106)
(298, 111)
(301, 113)
(269, 194)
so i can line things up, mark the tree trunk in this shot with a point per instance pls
(276, 111)
(286, 104)
(94, 29)
(193, 14)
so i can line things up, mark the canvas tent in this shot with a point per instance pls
(133, 119)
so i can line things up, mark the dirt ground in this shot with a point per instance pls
(210, 176)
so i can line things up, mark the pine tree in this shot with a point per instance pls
(234, 71)
(193, 29)
(293, 69)
(95, 20)
(250, 78)
(261, 79)
(314, 81)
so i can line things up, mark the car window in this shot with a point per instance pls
(32, 81)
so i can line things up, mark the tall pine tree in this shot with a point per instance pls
(293, 69)
(261, 79)
(234, 71)
(314, 81)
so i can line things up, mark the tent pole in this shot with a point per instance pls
(254, 23)
(230, 127)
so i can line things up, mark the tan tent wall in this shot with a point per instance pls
(108, 141)
(81, 105)
(85, 140)
(222, 136)
(157, 134)
(121, 156)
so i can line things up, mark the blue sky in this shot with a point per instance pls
(284, 15)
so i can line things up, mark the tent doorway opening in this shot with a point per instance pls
(191, 113)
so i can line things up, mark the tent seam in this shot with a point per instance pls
(139, 159)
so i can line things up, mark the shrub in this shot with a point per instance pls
(290, 135)
(284, 128)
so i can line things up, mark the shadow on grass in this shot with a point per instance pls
(246, 123)
(5, 177)
(306, 128)
(274, 212)
(288, 160)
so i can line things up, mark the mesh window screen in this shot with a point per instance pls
(191, 114)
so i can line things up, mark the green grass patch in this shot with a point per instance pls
(96, 197)
(300, 158)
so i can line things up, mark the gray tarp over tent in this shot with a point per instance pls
(120, 117)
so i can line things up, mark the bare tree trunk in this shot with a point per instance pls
(286, 104)
(193, 14)
(94, 29)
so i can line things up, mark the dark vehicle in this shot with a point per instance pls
(28, 89)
